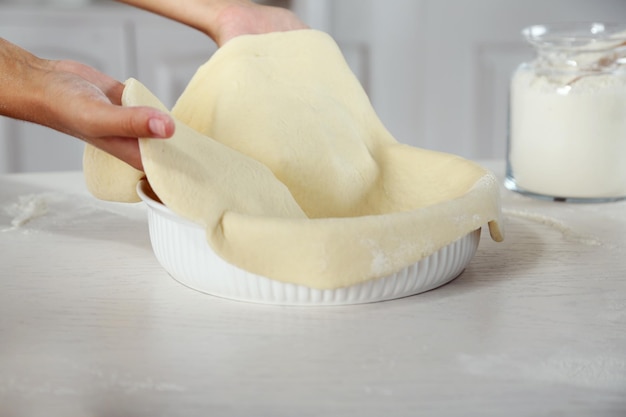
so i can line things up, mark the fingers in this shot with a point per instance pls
(132, 122)
(115, 130)
(125, 149)
(87, 104)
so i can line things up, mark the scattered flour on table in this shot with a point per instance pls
(27, 208)
(26, 387)
(598, 371)
(555, 224)
(79, 380)
(52, 210)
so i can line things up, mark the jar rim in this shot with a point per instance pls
(580, 36)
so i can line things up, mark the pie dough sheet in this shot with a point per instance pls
(279, 154)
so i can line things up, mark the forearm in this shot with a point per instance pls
(20, 89)
(203, 15)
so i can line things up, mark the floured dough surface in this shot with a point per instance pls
(279, 154)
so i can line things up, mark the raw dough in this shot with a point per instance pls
(108, 178)
(301, 182)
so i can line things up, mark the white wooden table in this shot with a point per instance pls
(90, 325)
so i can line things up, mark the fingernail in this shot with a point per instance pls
(157, 127)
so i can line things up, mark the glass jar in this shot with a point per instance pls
(567, 121)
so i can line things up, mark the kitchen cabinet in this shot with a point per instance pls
(437, 71)
(168, 54)
(100, 43)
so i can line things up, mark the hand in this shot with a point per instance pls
(78, 100)
(245, 18)
(223, 20)
(87, 105)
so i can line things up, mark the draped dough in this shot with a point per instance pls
(279, 154)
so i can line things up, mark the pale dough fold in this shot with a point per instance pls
(279, 154)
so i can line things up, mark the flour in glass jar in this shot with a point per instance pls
(568, 122)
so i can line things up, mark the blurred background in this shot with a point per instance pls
(436, 71)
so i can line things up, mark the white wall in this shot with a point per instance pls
(437, 71)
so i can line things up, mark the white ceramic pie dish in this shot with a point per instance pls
(182, 249)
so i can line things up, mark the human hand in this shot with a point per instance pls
(78, 100)
(246, 18)
(86, 103)
(223, 20)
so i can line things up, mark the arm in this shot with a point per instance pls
(80, 101)
(77, 100)
(223, 20)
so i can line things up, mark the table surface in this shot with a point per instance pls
(91, 325)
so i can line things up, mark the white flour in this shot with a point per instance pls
(569, 140)
(557, 225)
(27, 208)
(565, 366)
